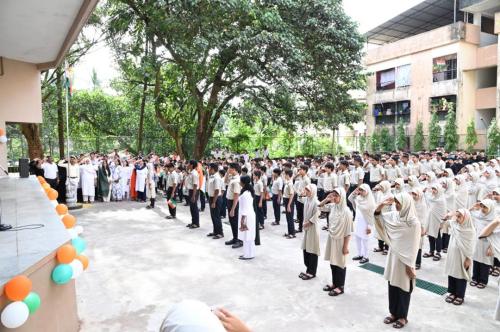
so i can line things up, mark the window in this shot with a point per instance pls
(386, 79)
(444, 68)
(403, 76)
(392, 113)
(442, 105)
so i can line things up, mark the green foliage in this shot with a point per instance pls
(375, 141)
(450, 131)
(386, 140)
(362, 143)
(493, 139)
(434, 131)
(401, 136)
(471, 136)
(418, 144)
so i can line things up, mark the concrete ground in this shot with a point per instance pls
(141, 263)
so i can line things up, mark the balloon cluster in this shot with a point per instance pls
(24, 302)
(3, 137)
(69, 256)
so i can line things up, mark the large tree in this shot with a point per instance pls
(296, 59)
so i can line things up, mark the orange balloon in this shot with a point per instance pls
(61, 209)
(18, 288)
(84, 259)
(2, 132)
(66, 254)
(45, 185)
(69, 221)
(52, 194)
(41, 179)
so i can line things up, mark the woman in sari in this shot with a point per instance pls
(310, 242)
(116, 186)
(104, 179)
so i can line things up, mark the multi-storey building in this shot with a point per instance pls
(440, 55)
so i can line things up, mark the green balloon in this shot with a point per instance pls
(79, 245)
(33, 302)
(62, 273)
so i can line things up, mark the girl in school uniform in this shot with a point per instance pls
(310, 242)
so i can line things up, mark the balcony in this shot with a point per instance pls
(486, 98)
(485, 57)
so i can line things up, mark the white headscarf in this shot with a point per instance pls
(311, 204)
(365, 204)
(464, 234)
(340, 216)
(191, 316)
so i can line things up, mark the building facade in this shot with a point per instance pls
(422, 63)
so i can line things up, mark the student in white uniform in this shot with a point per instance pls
(363, 202)
(215, 185)
(276, 190)
(246, 219)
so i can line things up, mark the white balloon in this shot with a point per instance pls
(72, 233)
(79, 229)
(77, 267)
(3, 139)
(15, 314)
(54, 202)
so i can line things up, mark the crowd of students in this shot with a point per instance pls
(399, 198)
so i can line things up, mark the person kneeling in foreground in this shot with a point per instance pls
(401, 230)
(196, 316)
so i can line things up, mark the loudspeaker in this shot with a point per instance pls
(24, 168)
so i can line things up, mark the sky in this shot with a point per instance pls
(368, 14)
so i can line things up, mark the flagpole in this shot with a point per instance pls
(67, 112)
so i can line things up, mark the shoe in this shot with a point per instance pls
(218, 236)
(230, 242)
(210, 234)
(169, 217)
(298, 231)
(237, 245)
(194, 226)
(357, 258)
(189, 225)
(275, 223)
(245, 258)
(202, 210)
(261, 227)
(364, 260)
(149, 207)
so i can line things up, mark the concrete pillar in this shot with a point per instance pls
(3, 148)
(477, 19)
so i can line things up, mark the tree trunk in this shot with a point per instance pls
(31, 132)
(60, 112)
(143, 102)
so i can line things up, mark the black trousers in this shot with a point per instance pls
(179, 192)
(321, 194)
(496, 262)
(193, 208)
(382, 245)
(399, 301)
(52, 182)
(349, 204)
(224, 205)
(311, 263)
(436, 244)
(373, 184)
(338, 276)
(445, 240)
(202, 200)
(141, 195)
(457, 286)
(234, 219)
(289, 216)
(480, 272)
(170, 196)
(259, 214)
(215, 215)
(419, 257)
(277, 209)
(300, 213)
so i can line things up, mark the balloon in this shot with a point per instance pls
(66, 254)
(62, 273)
(33, 302)
(79, 245)
(47, 190)
(18, 288)
(41, 179)
(52, 194)
(61, 209)
(72, 233)
(15, 315)
(45, 185)
(69, 221)
(77, 267)
(2, 132)
(85, 261)
(3, 139)
(79, 229)
(54, 203)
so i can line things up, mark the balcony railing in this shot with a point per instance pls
(444, 75)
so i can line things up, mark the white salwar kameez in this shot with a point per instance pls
(88, 175)
(140, 180)
(248, 237)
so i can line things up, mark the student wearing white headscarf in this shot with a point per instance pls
(489, 182)
(382, 192)
(401, 230)
(364, 204)
(460, 251)
(337, 245)
(461, 192)
(482, 213)
(473, 186)
(437, 211)
(492, 234)
(310, 241)
(450, 196)
(422, 209)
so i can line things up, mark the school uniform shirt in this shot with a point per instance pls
(277, 186)
(415, 169)
(321, 181)
(392, 173)
(405, 170)
(233, 186)
(49, 171)
(215, 182)
(193, 179)
(376, 173)
(312, 173)
(258, 188)
(357, 174)
(300, 184)
(344, 179)
(329, 181)
(173, 179)
(438, 167)
(288, 191)
(425, 166)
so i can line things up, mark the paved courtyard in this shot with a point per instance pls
(141, 263)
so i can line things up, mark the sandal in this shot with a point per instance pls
(385, 252)
(481, 286)
(445, 250)
(328, 288)
(378, 250)
(389, 319)
(333, 292)
(325, 228)
(301, 275)
(450, 298)
(495, 272)
(398, 325)
(428, 254)
(290, 237)
(307, 277)
(437, 257)
(417, 266)
(458, 301)
(274, 223)
(473, 283)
